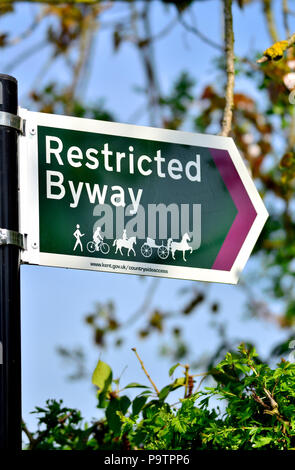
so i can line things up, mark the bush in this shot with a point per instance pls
(258, 412)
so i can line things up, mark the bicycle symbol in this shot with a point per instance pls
(102, 246)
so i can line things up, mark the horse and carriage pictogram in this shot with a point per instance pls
(148, 247)
(163, 251)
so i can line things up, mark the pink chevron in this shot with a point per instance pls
(245, 216)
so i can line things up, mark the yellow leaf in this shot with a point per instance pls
(276, 51)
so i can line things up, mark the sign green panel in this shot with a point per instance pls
(130, 199)
(145, 196)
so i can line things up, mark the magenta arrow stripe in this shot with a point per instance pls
(245, 216)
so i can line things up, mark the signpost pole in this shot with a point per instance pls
(10, 341)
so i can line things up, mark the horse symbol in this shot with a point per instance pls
(180, 246)
(128, 243)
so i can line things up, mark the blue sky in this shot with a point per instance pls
(54, 300)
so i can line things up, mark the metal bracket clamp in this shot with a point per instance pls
(10, 237)
(12, 120)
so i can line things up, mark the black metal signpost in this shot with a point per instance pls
(10, 241)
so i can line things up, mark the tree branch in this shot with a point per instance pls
(285, 17)
(230, 68)
(267, 8)
(276, 51)
(145, 304)
(145, 371)
(37, 20)
(24, 55)
(28, 433)
(186, 367)
(203, 37)
(86, 38)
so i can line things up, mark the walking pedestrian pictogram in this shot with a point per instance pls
(78, 235)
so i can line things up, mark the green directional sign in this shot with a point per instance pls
(138, 200)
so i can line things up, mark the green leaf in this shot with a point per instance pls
(243, 368)
(146, 392)
(135, 385)
(120, 405)
(262, 441)
(164, 392)
(179, 426)
(138, 403)
(178, 383)
(102, 376)
(172, 369)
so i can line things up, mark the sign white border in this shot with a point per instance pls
(29, 197)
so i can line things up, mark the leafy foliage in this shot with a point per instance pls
(258, 412)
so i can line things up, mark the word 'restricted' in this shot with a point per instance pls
(105, 159)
